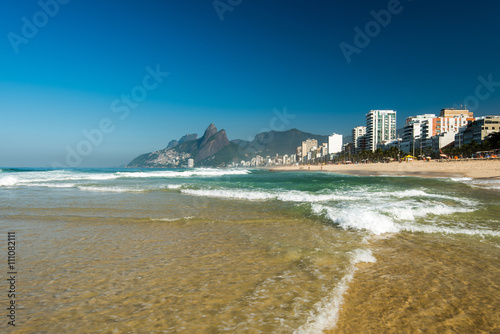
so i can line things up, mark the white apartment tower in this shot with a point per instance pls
(380, 127)
(357, 134)
(334, 144)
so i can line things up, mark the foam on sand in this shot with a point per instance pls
(326, 312)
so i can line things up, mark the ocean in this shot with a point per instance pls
(249, 251)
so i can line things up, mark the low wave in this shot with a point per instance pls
(8, 181)
(375, 212)
(30, 177)
(230, 194)
(129, 189)
(306, 197)
(361, 219)
(53, 176)
(111, 189)
(478, 183)
(204, 172)
(448, 230)
(379, 223)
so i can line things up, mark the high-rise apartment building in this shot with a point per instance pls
(419, 130)
(334, 144)
(478, 130)
(380, 127)
(359, 138)
(307, 146)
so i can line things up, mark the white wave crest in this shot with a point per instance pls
(205, 172)
(51, 185)
(300, 196)
(359, 219)
(8, 181)
(235, 194)
(286, 196)
(460, 179)
(408, 211)
(409, 193)
(448, 230)
(111, 189)
(28, 178)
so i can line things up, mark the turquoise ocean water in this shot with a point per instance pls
(251, 251)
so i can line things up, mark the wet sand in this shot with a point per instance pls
(476, 169)
(424, 284)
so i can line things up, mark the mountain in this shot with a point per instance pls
(188, 137)
(183, 139)
(172, 143)
(280, 142)
(208, 145)
(214, 149)
(188, 147)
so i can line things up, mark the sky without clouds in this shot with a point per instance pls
(73, 66)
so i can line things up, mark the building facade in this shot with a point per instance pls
(359, 138)
(307, 146)
(334, 144)
(479, 129)
(380, 127)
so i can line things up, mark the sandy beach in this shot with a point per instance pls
(476, 169)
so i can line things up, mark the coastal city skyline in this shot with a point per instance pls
(155, 72)
(237, 166)
(425, 136)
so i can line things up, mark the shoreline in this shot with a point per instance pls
(474, 169)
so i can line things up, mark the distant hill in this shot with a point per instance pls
(281, 142)
(183, 139)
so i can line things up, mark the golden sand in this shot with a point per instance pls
(476, 169)
(424, 283)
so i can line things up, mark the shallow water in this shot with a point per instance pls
(249, 251)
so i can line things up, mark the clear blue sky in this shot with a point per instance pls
(64, 77)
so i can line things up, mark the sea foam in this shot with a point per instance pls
(326, 312)
(204, 172)
(8, 181)
(359, 219)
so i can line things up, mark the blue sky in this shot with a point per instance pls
(64, 76)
